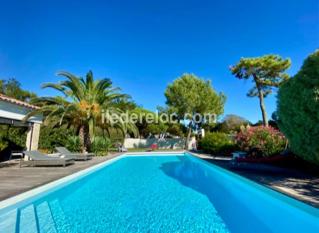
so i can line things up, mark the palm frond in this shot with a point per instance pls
(74, 84)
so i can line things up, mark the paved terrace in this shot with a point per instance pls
(15, 180)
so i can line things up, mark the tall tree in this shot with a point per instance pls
(189, 95)
(267, 73)
(12, 88)
(298, 110)
(82, 105)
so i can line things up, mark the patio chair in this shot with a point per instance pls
(237, 155)
(65, 153)
(122, 148)
(36, 158)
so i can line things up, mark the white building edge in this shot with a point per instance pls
(13, 111)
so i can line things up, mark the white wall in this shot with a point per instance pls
(33, 136)
(168, 143)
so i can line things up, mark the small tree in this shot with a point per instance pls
(189, 95)
(267, 72)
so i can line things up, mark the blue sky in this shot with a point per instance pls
(144, 45)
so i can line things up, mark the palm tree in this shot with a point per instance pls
(83, 105)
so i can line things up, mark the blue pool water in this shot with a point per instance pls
(161, 194)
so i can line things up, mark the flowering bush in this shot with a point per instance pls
(266, 140)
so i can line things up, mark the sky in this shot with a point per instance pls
(144, 45)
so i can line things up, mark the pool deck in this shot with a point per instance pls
(15, 180)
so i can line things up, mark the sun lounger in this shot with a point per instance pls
(36, 158)
(65, 153)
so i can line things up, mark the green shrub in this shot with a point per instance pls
(298, 110)
(100, 146)
(266, 140)
(176, 130)
(52, 137)
(73, 144)
(217, 143)
(16, 135)
(3, 143)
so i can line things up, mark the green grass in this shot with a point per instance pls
(146, 149)
(143, 150)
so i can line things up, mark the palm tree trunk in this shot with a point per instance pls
(84, 138)
(91, 130)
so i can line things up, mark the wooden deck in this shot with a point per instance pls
(15, 180)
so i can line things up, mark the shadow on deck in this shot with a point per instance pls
(295, 183)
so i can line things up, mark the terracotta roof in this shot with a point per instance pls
(17, 102)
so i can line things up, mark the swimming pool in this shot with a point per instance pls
(156, 193)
